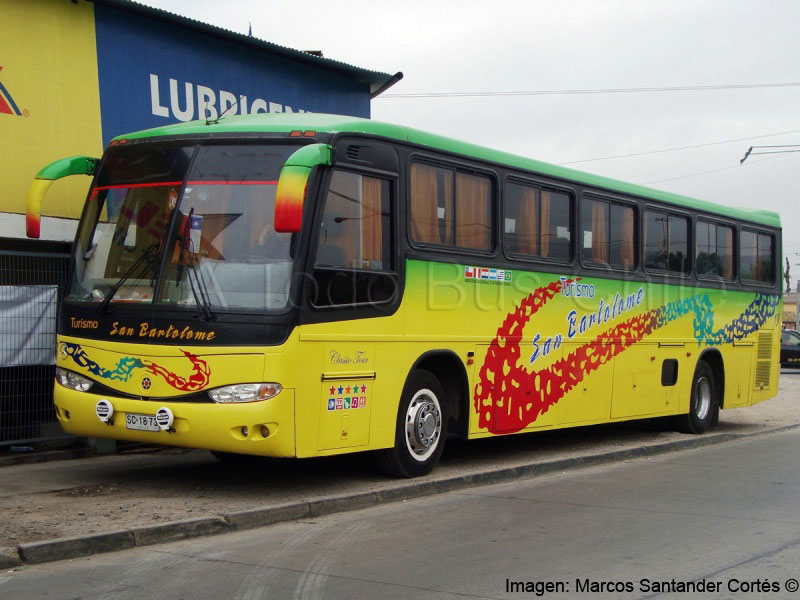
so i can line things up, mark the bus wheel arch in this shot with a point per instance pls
(449, 370)
(420, 428)
(714, 359)
(433, 403)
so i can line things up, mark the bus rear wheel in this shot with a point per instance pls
(421, 428)
(703, 405)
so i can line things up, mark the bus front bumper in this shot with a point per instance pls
(264, 428)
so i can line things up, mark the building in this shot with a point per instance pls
(791, 303)
(76, 73)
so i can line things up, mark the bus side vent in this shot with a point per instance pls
(763, 361)
(353, 152)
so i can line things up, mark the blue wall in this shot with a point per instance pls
(137, 58)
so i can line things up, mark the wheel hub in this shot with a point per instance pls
(702, 398)
(424, 424)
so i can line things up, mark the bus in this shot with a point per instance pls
(302, 285)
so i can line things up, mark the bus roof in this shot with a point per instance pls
(286, 122)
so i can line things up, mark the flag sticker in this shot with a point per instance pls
(487, 275)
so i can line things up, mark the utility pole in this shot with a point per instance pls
(797, 305)
(769, 150)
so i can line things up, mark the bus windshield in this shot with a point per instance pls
(185, 225)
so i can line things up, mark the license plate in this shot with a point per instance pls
(141, 422)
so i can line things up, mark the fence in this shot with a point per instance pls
(33, 276)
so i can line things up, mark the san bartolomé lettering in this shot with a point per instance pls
(146, 330)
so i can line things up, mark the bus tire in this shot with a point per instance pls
(421, 428)
(703, 405)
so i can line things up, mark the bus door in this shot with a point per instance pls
(353, 283)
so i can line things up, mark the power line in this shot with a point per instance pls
(755, 137)
(739, 166)
(691, 175)
(568, 92)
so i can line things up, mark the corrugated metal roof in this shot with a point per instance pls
(378, 82)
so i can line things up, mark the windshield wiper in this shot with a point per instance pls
(146, 259)
(194, 274)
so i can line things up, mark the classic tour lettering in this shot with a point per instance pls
(359, 358)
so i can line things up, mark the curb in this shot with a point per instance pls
(81, 546)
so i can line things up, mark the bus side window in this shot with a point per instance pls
(354, 250)
(666, 242)
(608, 232)
(537, 222)
(714, 250)
(450, 208)
(757, 257)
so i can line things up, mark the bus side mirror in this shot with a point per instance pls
(74, 165)
(293, 185)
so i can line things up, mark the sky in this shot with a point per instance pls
(460, 60)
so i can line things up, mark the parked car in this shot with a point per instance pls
(790, 348)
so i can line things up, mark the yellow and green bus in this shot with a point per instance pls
(305, 285)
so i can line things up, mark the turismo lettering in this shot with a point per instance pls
(184, 96)
(83, 323)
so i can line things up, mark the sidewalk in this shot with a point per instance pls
(70, 508)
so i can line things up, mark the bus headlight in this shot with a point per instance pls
(245, 392)
(73, 381)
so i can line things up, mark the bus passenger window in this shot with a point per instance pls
(354, 259)
(473, 212)
(431, 204)
(655, 241)
(666, 242)
(537, 222)
(607, 233)
(450, 208)
(757, 257)
(714, 250)
(354, 232)
(678, 244)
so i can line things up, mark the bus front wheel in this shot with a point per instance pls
(703, 405)
(421, 428)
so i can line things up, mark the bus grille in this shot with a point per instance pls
(763, 360)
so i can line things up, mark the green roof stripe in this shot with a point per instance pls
(286, 122)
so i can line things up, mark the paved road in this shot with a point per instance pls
(91, 496)
(728, 515)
